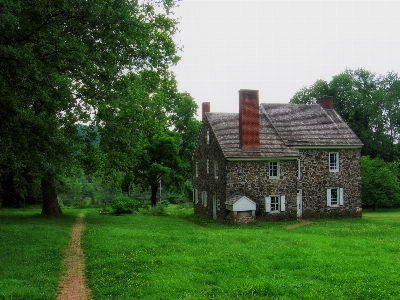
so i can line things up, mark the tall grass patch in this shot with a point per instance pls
(182, 256)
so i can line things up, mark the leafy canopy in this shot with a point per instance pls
(61, 63)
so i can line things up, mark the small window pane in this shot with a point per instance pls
(334, 197)
(274, 203)
(273, 169)
(334, 161)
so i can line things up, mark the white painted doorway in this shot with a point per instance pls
(300, 203)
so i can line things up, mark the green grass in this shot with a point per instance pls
(190, 257)
(184, 256)
(31, 253)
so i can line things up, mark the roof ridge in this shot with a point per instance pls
(264, 112)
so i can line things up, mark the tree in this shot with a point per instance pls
(159, 160)
(368, 103)
(380, 183)
(149, 109)
(60, 63)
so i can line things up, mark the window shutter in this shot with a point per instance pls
(328, 197)
(341, 197)
(268, 204)
(283, 203)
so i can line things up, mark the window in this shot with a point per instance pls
(334, 197)
(208, 137)
(197, 169)
(204, 198)
(218, 204)
(196, 196)
(208, 168)
(215, 169)
(334, 161)
(275, 203)
(274, 171)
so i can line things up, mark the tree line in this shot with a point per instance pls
(101, 64)
(370, 104)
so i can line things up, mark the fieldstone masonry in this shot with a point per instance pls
(316, 179)
(250, 177)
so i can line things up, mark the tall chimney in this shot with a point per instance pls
(205, 109)
(249, 120)
(326, 102)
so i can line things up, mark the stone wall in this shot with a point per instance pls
(244, 217)
(251, 178)
(316, 179)
(206, 181)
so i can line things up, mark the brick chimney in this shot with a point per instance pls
(205, 109)
(249, 120)
(326, 102)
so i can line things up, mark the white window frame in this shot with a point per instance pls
(218, 204)
(337, 200)
(204, 198)
(197, 169)
(215, 169)
(280, 203)
(271, 168)
(334, 161)
(208, 137)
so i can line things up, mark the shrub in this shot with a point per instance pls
(165, 203)
(124, 205)
(159, 209)
(146, 205)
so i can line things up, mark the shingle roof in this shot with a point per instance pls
(309, 125)
(283, 126)
(226, 129)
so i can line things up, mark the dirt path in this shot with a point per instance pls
(72, 283)
(302, 223)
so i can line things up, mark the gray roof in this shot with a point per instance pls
(226, 129)
(283, 126)
(309, 125)
(233, 199)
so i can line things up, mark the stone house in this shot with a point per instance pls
(276, 162)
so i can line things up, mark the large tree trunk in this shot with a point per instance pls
(49, 195)
(154, 190)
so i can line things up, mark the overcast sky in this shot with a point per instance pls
(277, 47)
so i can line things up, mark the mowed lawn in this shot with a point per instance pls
(158, 257)
(183, 256)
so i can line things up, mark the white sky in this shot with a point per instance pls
(277, 47)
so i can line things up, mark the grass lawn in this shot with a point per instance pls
(31, 252)
(184, 256)
(189, 257)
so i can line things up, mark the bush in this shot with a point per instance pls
(159, 209)
(165, 203)
(124, 205)
(146, 205)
